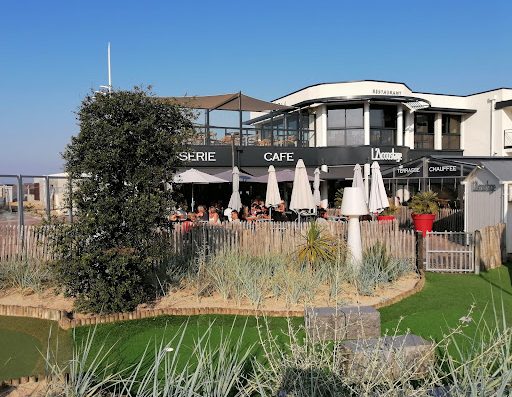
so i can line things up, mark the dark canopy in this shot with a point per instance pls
(237, 101)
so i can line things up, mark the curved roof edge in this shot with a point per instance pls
(389, 82)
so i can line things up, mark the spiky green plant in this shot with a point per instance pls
(424, 203)
(317, 245)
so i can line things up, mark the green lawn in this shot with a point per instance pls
(443, 301)
(448, 297)
(23, 341)
(131, 338)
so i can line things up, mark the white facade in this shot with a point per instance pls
(488, 199)
(486, 118)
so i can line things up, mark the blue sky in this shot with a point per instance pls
(54, 52)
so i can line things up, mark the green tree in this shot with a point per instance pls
(121, 163)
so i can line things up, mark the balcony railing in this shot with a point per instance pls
(250, 136)
(507, 139)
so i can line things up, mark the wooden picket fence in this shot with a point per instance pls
(252, 238)
(29, 242)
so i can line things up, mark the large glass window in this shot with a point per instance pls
(451, 131)
(424, 130)
(382, 125)
(345, 126)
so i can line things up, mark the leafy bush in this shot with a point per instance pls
(121, 163)
(25, 275)
(111, 280)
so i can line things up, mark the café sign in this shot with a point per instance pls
(407, 170)
(208, 157)
(378, 155)
(280, 157)
(477, 187)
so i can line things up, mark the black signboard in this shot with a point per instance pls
(443, 170)
(263, 156)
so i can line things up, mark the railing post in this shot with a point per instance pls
(48, 196)
(420, 252)
(21, 215)
(478, 250)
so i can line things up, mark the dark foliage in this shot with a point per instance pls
(121, 163)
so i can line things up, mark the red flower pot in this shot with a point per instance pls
(423, 222)
(385, 218)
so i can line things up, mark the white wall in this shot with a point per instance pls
(476, 134)
(483, 208)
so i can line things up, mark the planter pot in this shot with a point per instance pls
(423, 222)
(385, 218)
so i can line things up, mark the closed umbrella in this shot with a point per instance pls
(302, 197)
(194, 176)
(316, 188)
(272, 197)
(235, 202)
(378, 197)
(358, 180)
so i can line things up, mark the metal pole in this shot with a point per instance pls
(48, 198)
(207, 128)
(240, 113)
(21, 217)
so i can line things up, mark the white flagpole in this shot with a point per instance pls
(109, 71)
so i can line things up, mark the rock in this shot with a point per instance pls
(390, 357)
(340, 323)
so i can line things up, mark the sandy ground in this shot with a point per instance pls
(186, 298)
(31, 389)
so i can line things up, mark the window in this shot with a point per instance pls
(382, 125)
(451, 131)
(424, 130)
(345, 126)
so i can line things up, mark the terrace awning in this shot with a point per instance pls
(234, 102)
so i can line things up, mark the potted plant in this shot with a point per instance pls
(389, 213)
(424, 207)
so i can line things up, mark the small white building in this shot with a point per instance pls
(488, 197)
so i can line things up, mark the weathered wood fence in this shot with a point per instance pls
(490, 246)
(252, 238)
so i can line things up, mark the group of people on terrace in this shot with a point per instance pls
(256, 212)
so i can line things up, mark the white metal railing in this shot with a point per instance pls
(507, 138)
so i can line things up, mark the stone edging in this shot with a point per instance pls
(33, 312)
(417, 288)
(63, 318)
(66, 321)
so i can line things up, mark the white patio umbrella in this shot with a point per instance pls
(235, 202)
(272, 197)
(358, 180)
(302, 197)
(194, 176)
(378, 197)
(316, 188)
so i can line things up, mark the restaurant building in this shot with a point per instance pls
(416, 137)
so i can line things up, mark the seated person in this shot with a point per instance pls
(201, 213)
(234, 216)
(279, 214)
(322, 217)
(213, 216)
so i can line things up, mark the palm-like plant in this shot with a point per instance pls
(317, 245)
(338, 197)
(424, 203)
